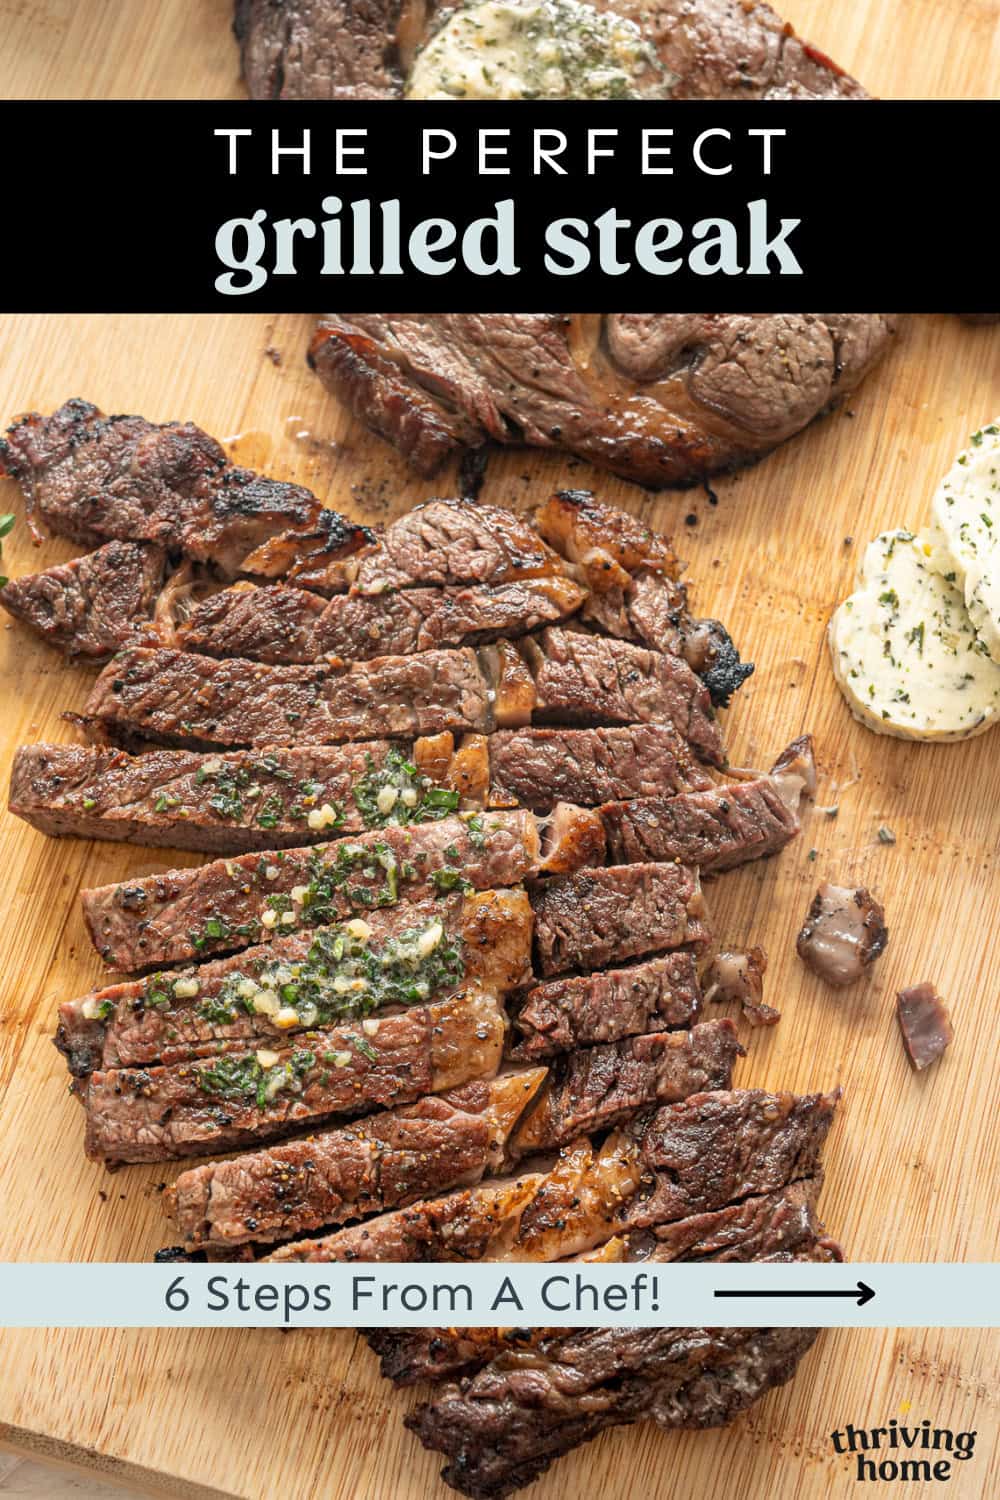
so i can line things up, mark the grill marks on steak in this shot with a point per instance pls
(604, 916)
(659, 398)
(504, 1427)
(93, 478)
(141, 1022)
(190, 1109)
(659, 994)
(598, 1087)
(537, 767)
(714, 49)
(94, 605)
(175, 697)
(715, 829)
(442, 1141)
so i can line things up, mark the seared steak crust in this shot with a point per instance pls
(715, 390)
(94, 605)
(537, 767)
(715, 829)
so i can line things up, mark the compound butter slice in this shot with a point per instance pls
(905, 653)
(964, 538)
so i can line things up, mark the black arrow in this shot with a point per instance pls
(862, 1292)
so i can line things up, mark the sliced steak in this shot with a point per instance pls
(389, 1159)
(504, 1427)
(93, 478)
(231, 903)
(93, 606)
(175, 697)
(601, 917)
(264, 994)
(658, 994)
(233, 1100)
(538, 767)
(659, 398)
(282, 624)
(598, 1087)
(448, 542)
(245, 801)
(715, 829)
(585, 679)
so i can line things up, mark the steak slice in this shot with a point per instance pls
(239, 1098)
(245, 801)
(227, 1004)
(504, 1427)
(601, 917)
(176, 697)
(93, 478)
(231, 903)
(598, 1087)
(537, 767)
(282, 624)
(389, 1159)
(755, 1229)
(716, 829)
(714, 49)
(659, 398)
(590, 680)
(94, 605)
(657, 994)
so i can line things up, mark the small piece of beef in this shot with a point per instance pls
(388, 1159)
(93, 478)
(658, 994)
(596, 1088)
(175, 697)
(609, 544)
(231, 903)
(281, 624)
(715, 1148)
(234, 1100)
(659, 398)
(925, 1024)
(504, 1427)
(538, 767)
(716, 829)
(738, 979)
(228, 1004)
(93, 606)
(844, 933)
(601, 917)
(592, 680)
(237, 803)
(541, 1216)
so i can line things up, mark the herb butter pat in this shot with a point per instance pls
(964, 540)
(905, 653)
(554, 49)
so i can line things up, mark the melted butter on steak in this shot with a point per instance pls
(552, 49)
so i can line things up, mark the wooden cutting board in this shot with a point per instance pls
(913, 1163)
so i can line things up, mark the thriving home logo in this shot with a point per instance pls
(898, 1452)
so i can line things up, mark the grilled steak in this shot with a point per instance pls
(598, 1087)
(537, 767)
(585, 679)
(175, 697)
(655, 995)
(93, 606)
(660, 398)
(715, 49)
(92, 478)
(376, 1164)
(231, 903)
(245, 801)
(191, 1109)
(505, 1426)
(305, 980)
(715, 829)
(282, 624)
(601, 917)
(452, 542)
(754, 1229)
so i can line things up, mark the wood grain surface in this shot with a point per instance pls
(913, 1162)
(183, 49)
